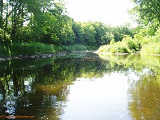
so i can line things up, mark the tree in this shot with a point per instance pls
(107, 38)
(89, 33)
(36, 14)
(79, 33)
(120, 31)
(101, 35)
(48, 22)
(66, 34)
(147, 10)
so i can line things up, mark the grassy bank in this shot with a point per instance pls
(152, 48)
(40, 48)
(31, 49)
(145, 45)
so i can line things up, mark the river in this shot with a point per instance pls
(81, 86)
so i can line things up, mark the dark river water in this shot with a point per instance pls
(81, 86)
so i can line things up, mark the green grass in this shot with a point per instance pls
(32, 49)
(76, 47)
(40, 48)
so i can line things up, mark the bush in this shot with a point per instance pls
(151, 48)
(127, 45)
(104, 48)
(112, 42)
(118, 47)
(130, 43)
(31, 49)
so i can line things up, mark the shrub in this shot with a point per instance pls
(104, 48)
(119, 49)
(115, 48)
(112, 42)
(151, 48)
(131, 43)
(31, 49)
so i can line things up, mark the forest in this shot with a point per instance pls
(29, 27)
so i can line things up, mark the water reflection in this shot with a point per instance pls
(98, 98)
(145, 98)
(81, 86)
(144, 91)
(40, 87)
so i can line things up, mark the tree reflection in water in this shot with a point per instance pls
(40, 87)
(144, 92)
(19, 94)
(145, 98)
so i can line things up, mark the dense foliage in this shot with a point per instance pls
(36, 27)
(44, 25)
(146, 36)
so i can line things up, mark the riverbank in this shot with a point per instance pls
(39, 50)
(119, 53)
(131, 46)
(49, 55)
(109, 53)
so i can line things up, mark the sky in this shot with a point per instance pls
(113, 12)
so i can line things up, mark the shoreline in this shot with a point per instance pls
(50, 55)
(47, 55)
(36, 56)
(118, 53)
(109, 53)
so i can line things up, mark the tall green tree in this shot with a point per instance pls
(101, 33)
(149, 10)
(89, 33)
(120, 32)
(79, 32)
(66, 34)
(147, 14)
